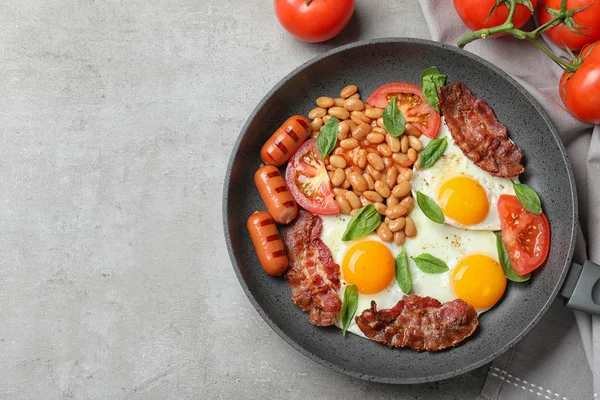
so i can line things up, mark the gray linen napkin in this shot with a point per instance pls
(552, 361)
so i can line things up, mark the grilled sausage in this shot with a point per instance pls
(279, 201)
(267, 243)
(285, 141)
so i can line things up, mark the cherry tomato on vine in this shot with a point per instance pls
(476, 14)
(588, 19)
(580, 90)
(314, 20)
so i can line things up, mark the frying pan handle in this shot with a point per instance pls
(582, 288)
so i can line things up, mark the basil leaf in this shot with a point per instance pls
(393, 120)
(432, 79)
(328, 137)
(430, 264)
(528, 198)
(349, 306)
(430, 208)
(402, 272)
(432, 152)
(509, 272)
(363, 222)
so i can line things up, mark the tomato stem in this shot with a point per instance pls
(567, 66)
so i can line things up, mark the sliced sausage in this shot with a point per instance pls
(267, 243)
(275, 194)
(285, 141)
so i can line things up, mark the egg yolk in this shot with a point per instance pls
(464, 200)
(369, 265)
(479, 281)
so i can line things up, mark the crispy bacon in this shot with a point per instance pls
(422, 323)
(478, 133)
(313, 276)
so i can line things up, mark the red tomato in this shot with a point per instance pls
(317, 21)
(580, 90)
(476, 14)
(561, 35)
(412, 103)
(309, 182)
(525, 235)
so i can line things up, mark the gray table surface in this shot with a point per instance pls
(117, 119)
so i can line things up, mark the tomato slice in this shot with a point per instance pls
(308, 181)
(525, 235)
(412, 103)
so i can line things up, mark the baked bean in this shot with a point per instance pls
(330, 168)
(356, 192)
(380, 208)
(412, 154)
(396, 211)
(351, 124)
(377, 175)
(317, 112)
(348, 91)
(353, 212)
(364, 201)
(375, 161)
(377, 129)
(360, 116)
(343, 129)
(338, 177)
(353, 199)
(338, 151)
(407, 203)
(325, 102)
(338, 102)
(388, 162)
(384, 232)
(399, 237)
(393, 142)
(345, 207)
(339, 191)
(415, 143)
(384, 150)
(354, 104)
(374, 112)
(383, 189)
(397, 224)
(338, 112)
(404, 143)
(410, 229)
(361, 131)
(355, 96)
(370, 181)
(358, 182)
(402, 189)
(316, 124)
(346, 184)
(393, 201)
(362, 160)
(337, 161)
(380, 123)
(405, 175)
(412, 131)
(375, 138)
(326, 118)
(392, 175)
(348, 143)
(373, 196)
(400, 158)
(314, 134)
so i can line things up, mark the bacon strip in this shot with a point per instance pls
(478, 133)
(422, 323)
(313, 276)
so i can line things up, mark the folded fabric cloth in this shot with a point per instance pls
(552, 361)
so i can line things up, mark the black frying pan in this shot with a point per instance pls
(371, 64)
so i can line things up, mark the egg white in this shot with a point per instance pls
(454, 163)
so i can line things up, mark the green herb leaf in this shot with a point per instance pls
(432, 79)
(402, 272)
(528, 198)
(362, 223)
(349, 306)
(328, 137)
(430, 264)
(432, 152)
(509, 272)
(430, 208)
(393, 120)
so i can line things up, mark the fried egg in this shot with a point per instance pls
(369, 263)
(467, 195)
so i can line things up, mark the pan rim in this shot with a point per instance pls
(339, 368)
